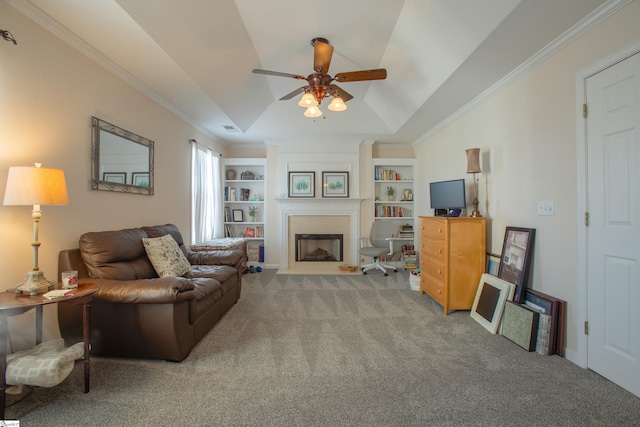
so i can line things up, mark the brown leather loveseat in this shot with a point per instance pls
(137, 314)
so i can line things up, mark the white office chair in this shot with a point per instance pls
(380, 231)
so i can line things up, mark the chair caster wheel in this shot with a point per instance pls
(364, 273)
(395, 271)
(386, 274)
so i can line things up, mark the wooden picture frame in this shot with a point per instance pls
(140, 179)
(515, 260)
(335, 184)
(117, 177)
(557, 309)
(302, 184)
(238, 215)
(520, 325)
(488, 305)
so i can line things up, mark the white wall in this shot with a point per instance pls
(49, 91)
(527, 133)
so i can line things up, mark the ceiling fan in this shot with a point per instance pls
(320, 82)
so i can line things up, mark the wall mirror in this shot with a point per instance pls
(121, 160)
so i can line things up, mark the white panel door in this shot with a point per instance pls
(613, 234)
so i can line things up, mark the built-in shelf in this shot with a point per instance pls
(244, 187)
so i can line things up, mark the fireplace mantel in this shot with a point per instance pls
(316, 201)
(319, 206)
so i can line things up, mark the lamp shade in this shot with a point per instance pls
(473, 160)
(35, 186)
(307, 100)
(313, 112)
(337, 104)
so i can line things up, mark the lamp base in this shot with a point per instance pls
(476, 212)
(35, 284)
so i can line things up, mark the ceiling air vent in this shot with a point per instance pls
(231, 129)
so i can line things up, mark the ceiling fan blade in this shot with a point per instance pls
(357, 76)
(278, 74)
(294, 93)
(340, 92)
(322, 53)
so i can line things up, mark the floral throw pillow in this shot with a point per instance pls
(165, 256)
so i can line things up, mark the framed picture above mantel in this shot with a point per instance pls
(335, 184)
(302, 184)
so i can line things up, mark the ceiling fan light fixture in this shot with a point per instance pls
(307, 101)
(313, 112)
(337, 104)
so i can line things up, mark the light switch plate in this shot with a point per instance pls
(546, 208)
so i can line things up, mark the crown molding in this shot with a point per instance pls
(74, 41)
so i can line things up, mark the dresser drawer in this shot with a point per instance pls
(434, 268)
(434, 249)
(433, 287)
(434, 230)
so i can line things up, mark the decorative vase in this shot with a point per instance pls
(252, 218)
(390, 196)
(231, 174)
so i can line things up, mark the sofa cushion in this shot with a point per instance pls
(208, 293)
(221, 273)
(116, 255)
(165, 255)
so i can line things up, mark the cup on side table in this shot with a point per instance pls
(69, 279)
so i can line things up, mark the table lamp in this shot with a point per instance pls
(473, 166)
(35, 186)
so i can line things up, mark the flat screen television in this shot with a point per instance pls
(447, 196)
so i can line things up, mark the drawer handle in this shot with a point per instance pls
(439, 251)
(439, 271)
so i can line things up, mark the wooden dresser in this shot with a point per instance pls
(452, 259)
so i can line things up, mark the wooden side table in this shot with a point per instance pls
(12, 304)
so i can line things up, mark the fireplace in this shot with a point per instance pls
(319, 247)
(318, 216)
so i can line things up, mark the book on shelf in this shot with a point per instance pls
(384, 211)
(229, 194)
(406, 231)
(393, 256)
(384, 174)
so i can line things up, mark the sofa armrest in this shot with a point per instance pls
(160, 290)
(231, 257)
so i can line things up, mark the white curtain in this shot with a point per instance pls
(206, 210)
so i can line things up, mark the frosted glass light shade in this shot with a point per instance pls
(313, 112)
(337, 104)
(35, 186)
(307, 100)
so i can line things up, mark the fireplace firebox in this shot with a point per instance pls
(319, 247)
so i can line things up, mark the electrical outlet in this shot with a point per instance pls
(546, 208)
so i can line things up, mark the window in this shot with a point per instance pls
(206, 209)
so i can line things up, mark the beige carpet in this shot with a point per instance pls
(337, 350)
